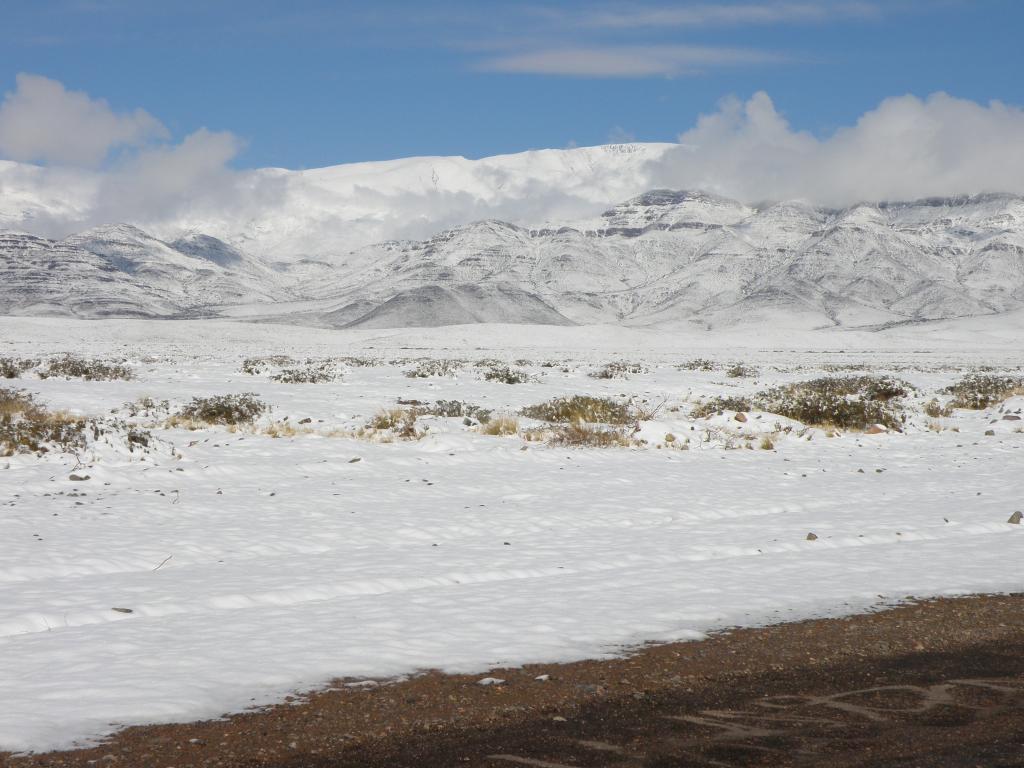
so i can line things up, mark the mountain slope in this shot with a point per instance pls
(661, 258)
(120, 271)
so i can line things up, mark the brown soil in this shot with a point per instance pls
(938, 683)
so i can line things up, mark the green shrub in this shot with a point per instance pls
(856, 402)
(232, 410)
(978, 391)
(581, 409)
(506, 375)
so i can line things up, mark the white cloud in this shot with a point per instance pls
(170, 178)
(41, 121)
(905, 148)
(625, 61)
(729, 14)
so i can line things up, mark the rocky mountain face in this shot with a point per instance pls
(662, 258)
(120, 271)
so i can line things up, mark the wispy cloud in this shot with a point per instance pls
(727, 14)
(626, 61)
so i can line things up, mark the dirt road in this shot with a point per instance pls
(931, 684)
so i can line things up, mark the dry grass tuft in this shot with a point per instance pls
(500, 426)
(27, 427)
(581, 409)
(581, 435)
(400, 421)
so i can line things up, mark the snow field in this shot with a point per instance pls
(254, 567)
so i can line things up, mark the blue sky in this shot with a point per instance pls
(310, 83)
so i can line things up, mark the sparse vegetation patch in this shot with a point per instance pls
(257, 366)
(458, 409)
(618, 370)
(740, 371)
(70, 367)
(12, 367)
(428, 368)
(310, 373)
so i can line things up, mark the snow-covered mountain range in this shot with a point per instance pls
(659, 258)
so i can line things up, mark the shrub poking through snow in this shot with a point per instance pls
(228, 410)
(582, 435)
(500, 426)
(146, 407)
(978, 391)
(12, 368)
(70, 367)
(697, 364)
(506, 375)
(719, 404)
(428, 368)
(256, 366)
(581, 409)
(618, 370)
(27, 427)
(740, 371)
(310, 373)
(856, 402)
(400, 421)
(458, 409)
(936, 410)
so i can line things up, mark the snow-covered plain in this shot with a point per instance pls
(255, 566)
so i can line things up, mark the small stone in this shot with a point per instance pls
(812, 537)
(490, 681)
(875, 429)
(542, 678)
(123, 610)
(740, 417)
(356, 459)
(558, 719)
(1015, 518)
(306, 420)
(1011, 417)
(990, 433)
(78, 478)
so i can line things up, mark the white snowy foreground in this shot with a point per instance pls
(255, 566)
